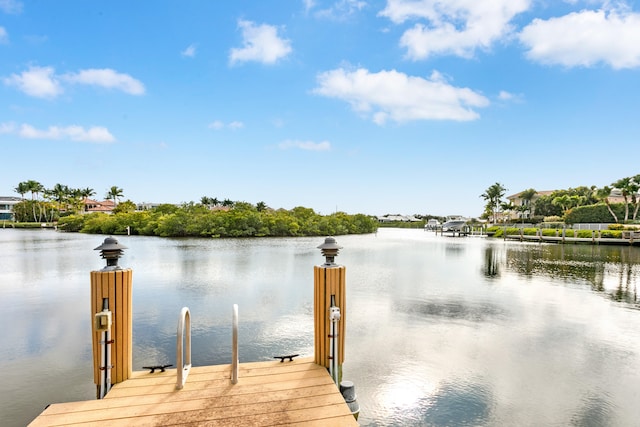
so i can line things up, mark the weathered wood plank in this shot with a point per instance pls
(204, 409)
(273, 393)
(212, 397)
(323, 415)
(316, 376)
(224, 371)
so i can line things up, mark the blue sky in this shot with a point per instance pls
(372, 107)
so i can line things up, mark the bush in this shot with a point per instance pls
(552, 219)
(198, 221)
(71, 223)
(585, 234)
(611, 234)
(553, 225)
(594, 213)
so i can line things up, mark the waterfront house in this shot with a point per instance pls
(91, 205)
(6, 207)
(397, 218)
(517, 201)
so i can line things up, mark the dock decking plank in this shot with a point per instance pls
(268, 393)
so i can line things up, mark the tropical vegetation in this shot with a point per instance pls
(573, 205)
(48, 204)
(199, 220)
(209, 218)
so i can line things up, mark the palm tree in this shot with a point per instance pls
(507, 207)
(114, 194)
(22, 189)
(228, 203)
(635, 187)
(602, 194)
(567, 202)
(35, 188)
(492, 195)
(526, 196)
(624, 185)
(85, 193)
(261, 206)
(60, 193)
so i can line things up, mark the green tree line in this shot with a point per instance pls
(198, 220)
(209, 218)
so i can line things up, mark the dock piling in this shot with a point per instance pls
(111, 290)
(329, 285)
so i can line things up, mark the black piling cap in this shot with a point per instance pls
(330, 250)
(111, 250)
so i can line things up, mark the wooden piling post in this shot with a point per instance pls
(329, 280)
(113, 284)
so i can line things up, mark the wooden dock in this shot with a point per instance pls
(270, 393)
(587, 240)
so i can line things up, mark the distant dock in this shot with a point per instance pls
(628, 239)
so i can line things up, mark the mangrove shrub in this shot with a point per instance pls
(196, 220)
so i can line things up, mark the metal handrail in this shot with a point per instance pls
(183, 369)
(234, 346)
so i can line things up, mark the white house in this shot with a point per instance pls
(6, 207)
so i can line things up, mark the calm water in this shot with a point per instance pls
(441, 331)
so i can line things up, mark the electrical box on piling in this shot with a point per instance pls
(111, 307)
(329, 287)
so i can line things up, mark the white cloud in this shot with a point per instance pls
(341, 9)
(455, 27)
(42, 82)
(305, 145)
(585, 38)
(11, 6)
(218, 124)
(260, 43)
(190, 51)
(308, 5)
(37, 81)
(4, 36)
(505, 96)
(7, 127)
(107, 78)
(392, 95)
(236, 125)
(97, 134)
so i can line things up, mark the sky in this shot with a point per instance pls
(374, 107)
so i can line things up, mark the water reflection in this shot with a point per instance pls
(491, 263)
(440, 331)
(613, 271)
(458, 403)
(596, 411)
(452, 310)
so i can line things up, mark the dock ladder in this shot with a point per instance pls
(183, 356)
